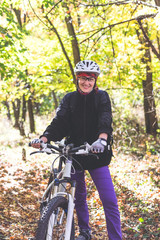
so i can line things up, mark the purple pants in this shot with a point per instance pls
(102, 180)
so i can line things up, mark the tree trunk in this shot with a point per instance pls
(19, 124)
(21, 128)
(158, 43)
(63, 48)
(31, 116)
(72, 34)
(18, 16)
(16, 109)
(24, 109)
(8, 110)
(74, 42)
(55, 99)
(37, 107)
(73, 37)
(157, 2)
(151, 121)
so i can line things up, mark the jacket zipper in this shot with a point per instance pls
(84, 120)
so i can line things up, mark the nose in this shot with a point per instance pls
(87, 81)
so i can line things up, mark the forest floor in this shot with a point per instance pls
(23, 180)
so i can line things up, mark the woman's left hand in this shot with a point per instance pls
(98, 146)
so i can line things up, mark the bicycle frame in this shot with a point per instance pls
(59, 189)
(58, 185)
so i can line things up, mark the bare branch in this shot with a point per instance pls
(107, 4)
(97, 41)
(62, 46)
(53, 7)
(119, 88)
(123, 3)
(36, 14)
(158, 42)
(113, 50)
(119, 76)
(87, 46)
(148, 40)
(145, 4)
(113, 25)
(93, 34)
(18, 16)
(52, 28)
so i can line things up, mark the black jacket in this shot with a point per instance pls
(81, 118)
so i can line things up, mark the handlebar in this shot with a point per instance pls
(64, 149)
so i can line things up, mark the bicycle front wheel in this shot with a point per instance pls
(53, 220)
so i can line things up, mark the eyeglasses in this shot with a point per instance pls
(89, 79)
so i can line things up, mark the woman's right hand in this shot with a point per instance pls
(36, 143)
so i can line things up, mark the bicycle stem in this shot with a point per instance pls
(67, 170)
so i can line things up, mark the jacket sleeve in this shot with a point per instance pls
(104, 114)
(59, 127)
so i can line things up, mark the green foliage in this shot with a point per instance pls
(141, 220)
(128, 124)
(12, 56)
(32, 61)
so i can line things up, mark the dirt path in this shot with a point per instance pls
(23, 180)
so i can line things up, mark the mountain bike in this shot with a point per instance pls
(57, 204)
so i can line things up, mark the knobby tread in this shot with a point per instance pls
(58, 201)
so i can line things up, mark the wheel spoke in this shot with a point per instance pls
(50, 227)
(52, 224)
(56, 225)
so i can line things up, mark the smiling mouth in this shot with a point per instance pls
(87, 89)
(86, 86)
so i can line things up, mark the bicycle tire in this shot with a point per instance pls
(56, 205)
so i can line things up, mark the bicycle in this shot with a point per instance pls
(57, 204)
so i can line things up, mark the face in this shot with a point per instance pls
(86, 84)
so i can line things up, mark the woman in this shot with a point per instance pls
(85, 116)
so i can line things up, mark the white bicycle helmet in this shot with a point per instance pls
(87, 66)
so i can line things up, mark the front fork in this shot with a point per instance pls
(70, 211)
(55, 191)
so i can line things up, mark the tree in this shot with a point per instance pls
(13, 72)
(78, 18)
(157, 2)
(21, 18)
(63, 32)
(10, 51)
(151, 121)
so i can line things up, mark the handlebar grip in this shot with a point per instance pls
(73, 150)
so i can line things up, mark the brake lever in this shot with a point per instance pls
(44, 150)
(85, 151)
(36, 152)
